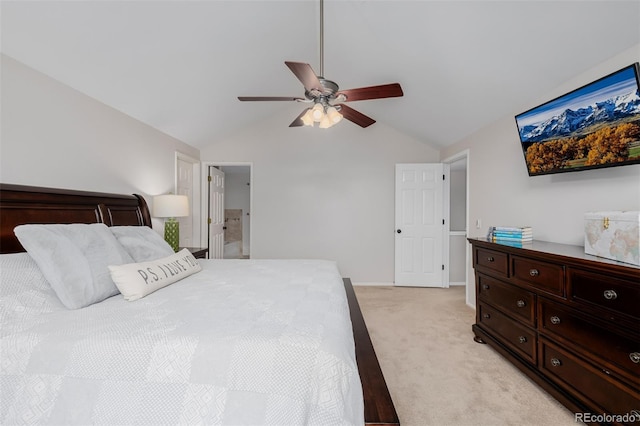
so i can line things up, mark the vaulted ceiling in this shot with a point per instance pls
(180, 65)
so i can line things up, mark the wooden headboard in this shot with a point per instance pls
(21, 205)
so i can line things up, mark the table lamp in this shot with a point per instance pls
(171, 206)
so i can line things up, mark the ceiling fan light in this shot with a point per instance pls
(307, 118)
(334, 115)
(317, 112)
(325, 123)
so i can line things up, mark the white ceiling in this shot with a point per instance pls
(180, 65)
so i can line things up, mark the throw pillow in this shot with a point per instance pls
(137, 280)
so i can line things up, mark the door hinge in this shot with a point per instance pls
(209, 178)
(443, 221)
(443, 267)
(442, 177)
(209, 221)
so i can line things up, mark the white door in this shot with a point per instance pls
(216, 213)
(419, 232)
(184, 186)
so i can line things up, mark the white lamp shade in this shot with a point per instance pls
(317, 112)
(307, 118)
(325, 123)
(170, 205)
(334, 115)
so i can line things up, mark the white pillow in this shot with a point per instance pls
(74, 259)
(137, 280)
(142, 242)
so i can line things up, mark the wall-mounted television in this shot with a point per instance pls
(595, 126)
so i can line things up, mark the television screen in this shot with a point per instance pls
(597, 125)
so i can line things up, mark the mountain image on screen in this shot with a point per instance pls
(570, 121)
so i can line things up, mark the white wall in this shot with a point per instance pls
(323, 193)
(502, 193)
(55, 136)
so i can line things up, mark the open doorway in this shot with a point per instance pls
(458, 219)
(237, 212)
(229, 210)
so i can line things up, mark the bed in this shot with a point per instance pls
(239, 342)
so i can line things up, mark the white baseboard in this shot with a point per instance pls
(373, 284)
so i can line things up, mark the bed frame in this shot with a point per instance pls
(28, 204)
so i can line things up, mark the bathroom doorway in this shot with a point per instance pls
(237, 211)
(228, 201)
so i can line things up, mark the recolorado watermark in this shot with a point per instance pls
(633, 416)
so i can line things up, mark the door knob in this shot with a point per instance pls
(399, 231)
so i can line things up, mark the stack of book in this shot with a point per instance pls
(510, 234)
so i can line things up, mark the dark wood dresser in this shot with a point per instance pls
(568, 320)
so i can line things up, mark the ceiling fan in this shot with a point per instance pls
(327, 98)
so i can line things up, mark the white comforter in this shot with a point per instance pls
(242, 342)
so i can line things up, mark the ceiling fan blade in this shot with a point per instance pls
(392, 90)
(268, 98)
(298, 121)
(356, 117)
(305, 74)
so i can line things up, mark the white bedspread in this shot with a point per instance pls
(242, 342)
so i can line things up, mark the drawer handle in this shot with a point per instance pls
(556, 362)
(554, 320)
(521, 303)
(490, 259)
(610, 295)
(635, 357)
(487, 316)
(485, 286)
(522, 339)
(534, 272)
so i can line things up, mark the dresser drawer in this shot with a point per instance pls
(493, 261)
(512, 300)
(588, 382)
(615, 294)
(617, 352)
(514, 335)
(542, 275)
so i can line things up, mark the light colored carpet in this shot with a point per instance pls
(437, 374)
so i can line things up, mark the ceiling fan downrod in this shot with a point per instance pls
(321, 38)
